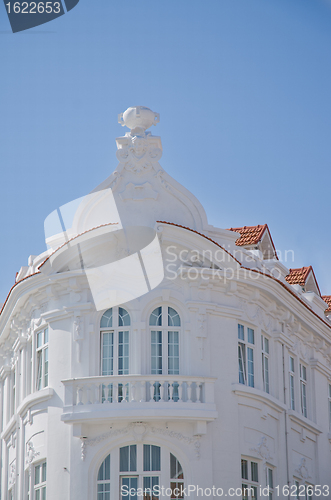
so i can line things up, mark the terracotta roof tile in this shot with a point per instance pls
(249, 235)
(327, 299)
(298, 276)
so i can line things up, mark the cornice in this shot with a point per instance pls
(257, 395)
(304, 422)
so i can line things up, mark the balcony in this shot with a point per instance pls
(148, 397)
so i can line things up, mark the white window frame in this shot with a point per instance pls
(265, 347)
(329, 405)
(246, 348)
(270, 480)
(164, 476)
(117, 331)
(303, 389)
(251, 481)
(40, 487)
(42, 366)
(164, 332)
(292, 382)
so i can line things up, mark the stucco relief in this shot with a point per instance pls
(262, 450)
(302, 470)
(31, 455)
(139, 430)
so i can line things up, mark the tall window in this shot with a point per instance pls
(40, 481)
(140, 466)
(42, 359)
(270, 481)
(250, 479)
(165, 323)
(115, 335)
(292, 375)
(103, 481)
(303, 389)
(265, 363)
(246, 355)
(176, 478)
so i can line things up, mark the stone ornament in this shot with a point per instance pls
(31, 454)
(138, 150)
(138, 430)
(262, 450)
(302, 470)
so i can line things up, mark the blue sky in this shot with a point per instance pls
(243, 90)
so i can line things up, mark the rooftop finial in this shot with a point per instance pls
(138, 119)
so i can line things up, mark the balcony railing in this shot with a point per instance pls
(134, 394)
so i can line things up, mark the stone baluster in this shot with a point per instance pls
(180, 391)
(171, 390)
(97, 395)
(88, 393)
(105, 393)
(151, 390)
(189, 392)
(115, 392)
(80, 395)
(199, 392)
(125, 393)
(162, 391)
(133, 392)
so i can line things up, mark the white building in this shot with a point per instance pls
(112, 376)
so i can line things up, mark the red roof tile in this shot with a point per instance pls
(249, 235)
(298, 276)
(327, 299)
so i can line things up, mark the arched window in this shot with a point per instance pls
(103, 482)
(165, 326)
(143, 467)
(115, 342)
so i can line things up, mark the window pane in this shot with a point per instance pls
(254, 472)
(250, 367)
(39, 370)
(38, 494)
(104, 470)
(244, 488)
(43, 493)
(173, 317)
(241, 364)
(45, 335)
(37, 475)
(107, 353)
(156, 352)
(107, 319)
(39, 339)
(133, 457)
(173, 353)
(241, 332)
(292, 364)
(45, 367)
(147, 457)
(270, 478)
(266, 345)
(123, 317)
(155, 318)
(176, 471)
(123, 353)
(292, 392)
(250, 335)
(329, 390)
(156, 458)
(43, 474)
(244, 469)
(304, 373)
(124, 459)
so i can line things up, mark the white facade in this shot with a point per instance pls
(219, 375)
